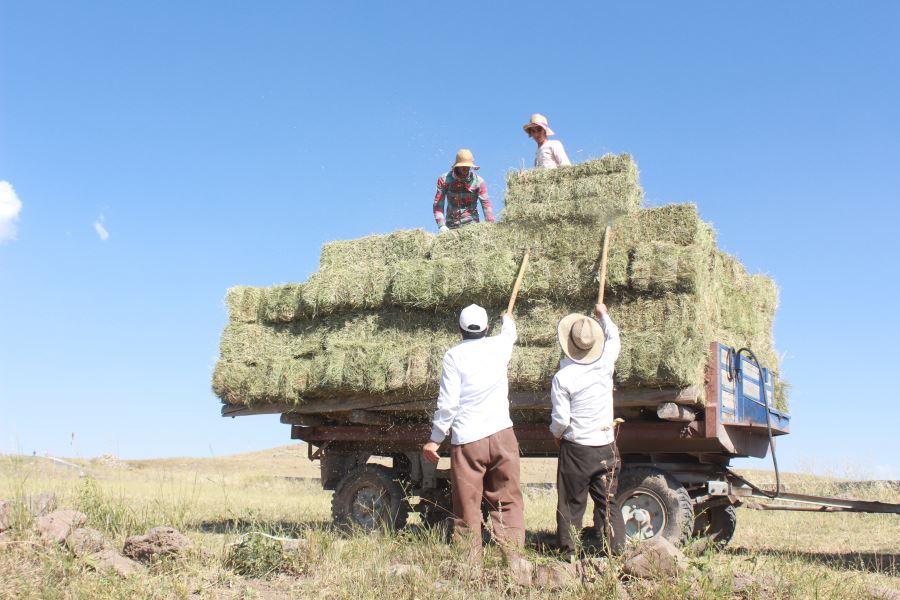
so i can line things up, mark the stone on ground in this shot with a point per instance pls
(56, 526)
(656, 557)
(159, 542)
(112, 563)
(85, 541)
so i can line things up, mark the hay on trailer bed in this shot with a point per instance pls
(655, 251)
(377, 317)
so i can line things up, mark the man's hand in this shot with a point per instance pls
(557, 440)
(429, 452)
(507, 314)
(443, 229)
(599, 309)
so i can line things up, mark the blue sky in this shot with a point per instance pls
(156, 154)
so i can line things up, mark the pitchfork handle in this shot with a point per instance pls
(515, 292)
(603, 265)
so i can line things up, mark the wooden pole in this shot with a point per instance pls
(603, 265)
(515, 292)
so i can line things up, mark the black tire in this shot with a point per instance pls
(369, 498)
(717, 524)
(654, 503)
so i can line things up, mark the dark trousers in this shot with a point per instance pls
(584, 470)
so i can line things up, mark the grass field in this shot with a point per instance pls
(214, 501)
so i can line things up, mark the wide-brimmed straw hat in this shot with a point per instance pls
(581, 338)
(538, 120)
(464, 158)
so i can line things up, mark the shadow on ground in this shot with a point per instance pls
(886, 564)
(239, 526)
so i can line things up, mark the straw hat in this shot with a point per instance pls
(464, 158)
(582, 338)
(538, 120)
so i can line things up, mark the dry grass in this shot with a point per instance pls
(216, 500)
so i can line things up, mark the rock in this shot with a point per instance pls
(85, 541)
(111, 562)
(520, 569)
(554, 576)
(41, 504)
(6, 515)
(158, 543)
(654, 558)
(56, 526)
(404, 571)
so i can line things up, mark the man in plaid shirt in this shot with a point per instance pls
(463, 189)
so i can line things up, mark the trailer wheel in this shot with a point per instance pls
(370, 497)
(717, 524)
(654, 503)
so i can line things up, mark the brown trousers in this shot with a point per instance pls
(488, 468)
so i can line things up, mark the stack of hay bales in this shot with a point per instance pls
(377, 317)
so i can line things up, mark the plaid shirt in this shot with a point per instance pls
(462, 200)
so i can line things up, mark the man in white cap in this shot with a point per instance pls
(582, 424)
(484, 452)
(463, 189)
(550, 153)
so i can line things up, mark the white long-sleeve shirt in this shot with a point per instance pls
(474, 396)
(550, 155)
(581, 395)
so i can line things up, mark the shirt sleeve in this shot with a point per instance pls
(508, 329)
(485, 202)
(560, 415)
(439, 201)
(559, 153)
(613, 343)
(448, 401)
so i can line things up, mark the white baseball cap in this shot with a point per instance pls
(473, 318)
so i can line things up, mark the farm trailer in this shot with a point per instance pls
(675, 479)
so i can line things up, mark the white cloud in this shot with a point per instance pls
(10, 207)
(100, 229)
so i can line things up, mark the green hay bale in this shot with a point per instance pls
(244, 303)
(665, 341)
(361, 287)
(593, 191)
(532, 367)
(447, 281)
(663, 267)
(254, 343)
(283, 303)
(375, 249)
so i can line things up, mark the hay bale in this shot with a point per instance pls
(665, 341)
(380, 313)
(590, 192)
(244, 303)
(479, 263)
(375, 249)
